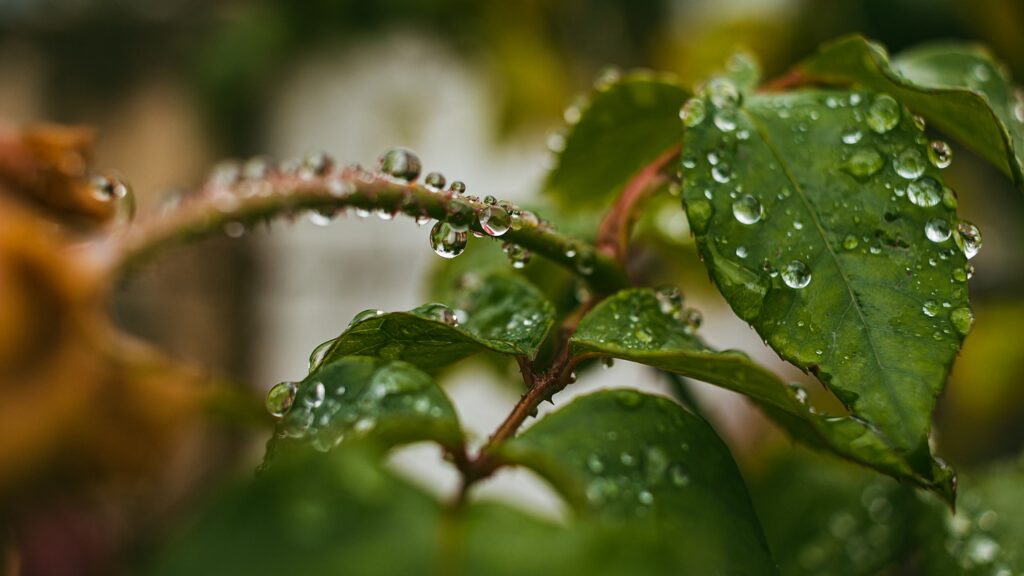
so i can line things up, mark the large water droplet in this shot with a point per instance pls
(909, 163)
(937, 230)
(884, 114)
(796, 274)
(864, 162)
(693, 112)
(399, 164)
(925, 192)
(962, 319)
(280, 398)
(446, 241)
(940, 154)
(968, 238)
(747, 209)
(435, 181)
(494, 220)
(439, 312)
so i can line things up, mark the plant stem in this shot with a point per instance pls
(249, 202)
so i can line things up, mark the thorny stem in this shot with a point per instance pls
(249, 202)
(613, 234)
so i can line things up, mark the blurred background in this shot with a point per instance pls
(475, 88)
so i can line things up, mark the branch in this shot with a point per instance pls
(252, 201)
(613, 234)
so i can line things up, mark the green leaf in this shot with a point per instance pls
(359, 396)
(825, 517)
(623, 126)
(503, 314)
(960, 88)
(625, 457)
(984, 536)
(336, 513)
(817, 243)
(642, 326)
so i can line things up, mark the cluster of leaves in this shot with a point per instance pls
(820, 211)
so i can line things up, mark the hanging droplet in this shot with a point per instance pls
(796, 275)
(883, 114)
(940, 154)
(670, 300)
(925, 192)
(968, 238)
(234, 229)
(364, 315)
(321, 217)
(399, 164)
(280, 398)
(747, 209)
(446, 241)
(962, 319)
(909, 163)
(517, 255)
(494, 220)
(460, 215)
(864, 162)
(693, 112)
(937, 230)
(435, 181)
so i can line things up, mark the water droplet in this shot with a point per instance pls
(316, 395)
(864, 162)
(982, 549)
(962, 319)
(919, 122)
(280, 398)
(517, 255)
(747, 209)
(645, 497)
(108, 188)
(931, 308)
(556, 142)
(435, 181)
(925, 192)
(460, 215)
(399, 164)
(439, 312)
(909, 163)
(884, 114)
(968, 238)
(494, 220)
(940, 154)
(693, 319)
(725, 119)
(594, 464)
(234, 229)
(677, 475)
(692, 113)
(458, 187)
(723, 92)
(446, 241)
(796, 274)
(316, 165)
(852, 136)
(670, 300)
(741, 251)
(585, 263)
(937, 230)
(365, 315)
(721, 172)
(850, 242)
(320, 217)
(643, 336)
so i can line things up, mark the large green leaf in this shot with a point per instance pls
(360, 396)
(622, 127)
(503, 313)
(960, 88)
(625, 457)
(815, 213)
(985, 535)
(642, 326)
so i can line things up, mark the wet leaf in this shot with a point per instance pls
(811, 211)
(960, 88)
(356, 397)
(623, 126)
(632, 325)
(500, 313)
(638, 460)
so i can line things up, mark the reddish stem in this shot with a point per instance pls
(791, 79)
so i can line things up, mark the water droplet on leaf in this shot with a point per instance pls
(937, 230)
(883, 114)
(796, 274)
(924, 192)
(909, 163)
(968, 238)
(940, 154)
(280, 398)
(747, 209)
